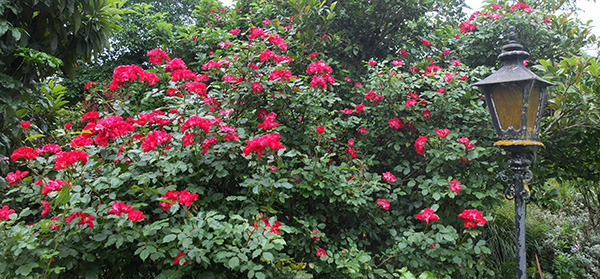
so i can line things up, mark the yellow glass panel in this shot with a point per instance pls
(534, 103)
(507, 99)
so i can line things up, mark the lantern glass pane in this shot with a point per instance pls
(534, 104)
(508, 99)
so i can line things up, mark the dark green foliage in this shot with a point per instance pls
(38, 39)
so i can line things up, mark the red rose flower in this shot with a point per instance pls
(472, 218)
(321, 252)
(427, 215)
(385, 204)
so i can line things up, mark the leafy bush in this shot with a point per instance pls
(250, 169)
(258, 158)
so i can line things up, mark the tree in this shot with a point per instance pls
(39, 38)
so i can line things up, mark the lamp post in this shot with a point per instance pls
(515, 98)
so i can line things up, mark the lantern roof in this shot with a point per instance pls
(513, 69)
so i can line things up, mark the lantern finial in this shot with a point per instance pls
(513, 52)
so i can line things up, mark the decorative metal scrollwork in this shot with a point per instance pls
(519, 169)
(527, 175)
(509, 192)
(505, 176)
(525, 194)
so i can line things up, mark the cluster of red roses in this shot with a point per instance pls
(318, 68)
(258, 144)
(183, 197)
(126, 73)
(119, 208)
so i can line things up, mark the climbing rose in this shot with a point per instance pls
(86, 219)
(176, 261)
(135, 215)
(448, 77)
(442, 132)
(25, 124)
(395, 123)
(65, 159)
(321, 252)
(155, 138)
(274, 228)
(346, 111)
(363, 130)
(172, 196)
(398, 62)
(207, 143)
(49, 148)
(52, 185)
(5, 212)
(90, 116)
(204, 124)
(427, 214)
(15, 177)
(89, 84)
(316, 237)
(119, 208)
(256, 87)
(320, 129)
(258, 144)
(420, 145)
(24, 152)
(403, 52)
(521, 5)
(455, 186)
(467, 142)
(472, 218)
(157, 55)
(385, 204)
(46, 209)
(360, 108)
(318, 68)
(388, 176)
(372, 62)
(410, 103)
(426, 43)
(427, 113)
(269, 121)
(187, 198)
(225, 44)
(466, 27)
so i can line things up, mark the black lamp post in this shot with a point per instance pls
(515, 98)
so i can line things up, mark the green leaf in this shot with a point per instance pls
(169, 238)
(427, 275)
(364, 258)
(63, 196)
(34, 137)
(268, 256)
(25, 269)
(144, 254)
(234, 262)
